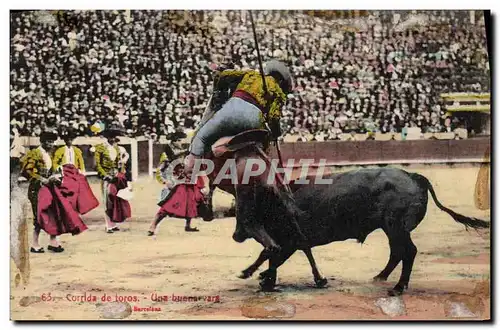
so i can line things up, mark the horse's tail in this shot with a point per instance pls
(466, 221)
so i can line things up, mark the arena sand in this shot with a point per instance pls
(452, 264)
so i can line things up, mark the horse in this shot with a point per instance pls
(239, 155)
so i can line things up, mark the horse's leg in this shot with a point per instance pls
(209, 204)
(268, 281)
(248, 272)
(318, 279)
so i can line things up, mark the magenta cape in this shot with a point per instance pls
(117, 209)
(78, 190)
(183, 200)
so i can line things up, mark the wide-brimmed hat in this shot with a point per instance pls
(114, 130)
(280, 68)
(48, 136)
(69, 134)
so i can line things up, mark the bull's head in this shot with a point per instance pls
(262, 201)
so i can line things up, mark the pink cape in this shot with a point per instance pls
(183, 200)
(78, 191)
(56, 215)
(117, 209)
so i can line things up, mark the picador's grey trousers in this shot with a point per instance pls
(234, 117)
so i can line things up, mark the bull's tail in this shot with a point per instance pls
(466, 221)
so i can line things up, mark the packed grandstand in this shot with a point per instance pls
(381, 72)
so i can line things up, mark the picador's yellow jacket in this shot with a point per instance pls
(60, 158)
(251, 82)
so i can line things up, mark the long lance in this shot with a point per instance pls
(266, 94)
(258, 54)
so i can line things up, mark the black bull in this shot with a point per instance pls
(354, 205)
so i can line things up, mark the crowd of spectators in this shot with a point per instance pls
(152, 70)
